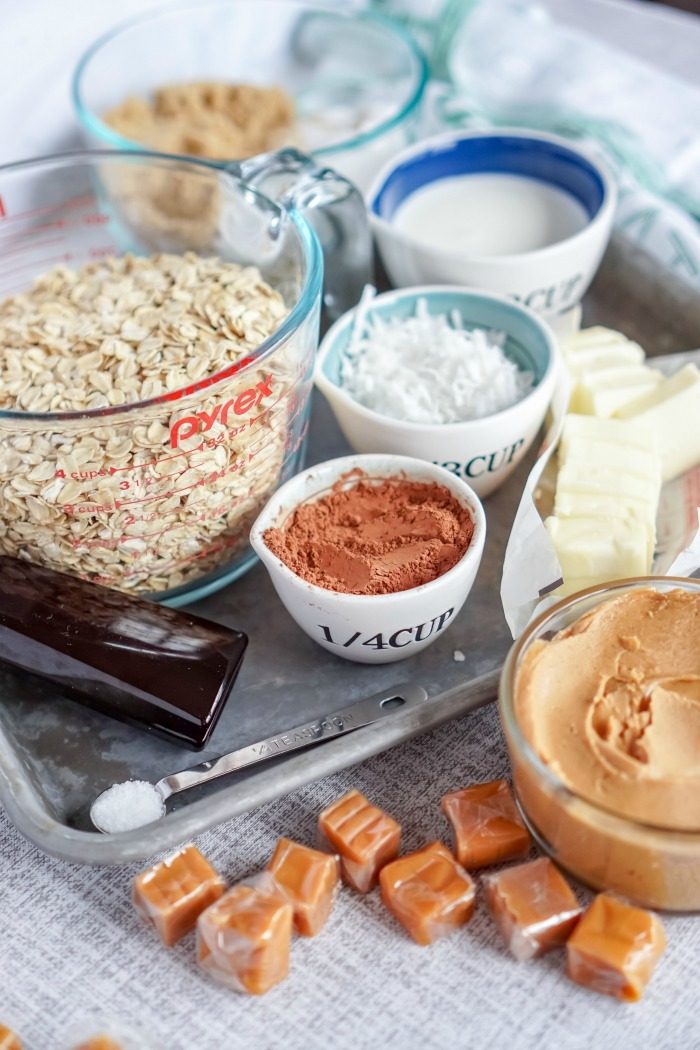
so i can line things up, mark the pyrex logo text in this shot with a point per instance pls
(202, 421)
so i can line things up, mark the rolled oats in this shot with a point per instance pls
(150, 497)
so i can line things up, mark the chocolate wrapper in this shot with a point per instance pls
(531, 571)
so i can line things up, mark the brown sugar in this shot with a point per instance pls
(486, 823)
(172, 894)
(243, 939)
(309, 879)
(374, 536)
(208, 119)
(365, 837)
(428, 892)
(8, 1039)
(615, 948)
(533, 906)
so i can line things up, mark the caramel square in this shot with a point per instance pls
(243, 939)
(533, 906)
(98, 1042)
(309, 880)
(365, 837)
(615, 948)
(486, 823)
(172, 894)
(8, 1039)
(428, 892)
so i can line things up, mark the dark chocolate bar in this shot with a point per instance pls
(162, 669)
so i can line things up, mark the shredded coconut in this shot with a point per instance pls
(126, 806)
(429, 368)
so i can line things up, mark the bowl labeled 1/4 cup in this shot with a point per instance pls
(374, 628)
(482, 452)
(550, 278)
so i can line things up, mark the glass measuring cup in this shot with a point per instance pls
(357, 78)
(157, 497)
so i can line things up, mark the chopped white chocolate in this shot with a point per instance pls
(597, 356)
(671, 411)
(587, 505)
(605, 391)
(621, 432)
(641, 462)
(599, 549)
(598, 479)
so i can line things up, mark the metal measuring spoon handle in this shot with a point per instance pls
(346, 720)
(362, 713)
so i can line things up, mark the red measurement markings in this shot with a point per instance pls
(69, 205)
(214, 548)
(65, 258)
(32, 246)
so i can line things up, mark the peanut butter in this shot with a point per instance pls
(611, 705)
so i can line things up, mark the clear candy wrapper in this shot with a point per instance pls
(531, 571)
(172, 894)
(310, 881)
(365, 837)
(486, 823)
(533, 906)
(243, 939)
(428, 892)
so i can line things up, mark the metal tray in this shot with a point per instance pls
(56, 756)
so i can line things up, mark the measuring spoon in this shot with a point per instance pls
(362, 713)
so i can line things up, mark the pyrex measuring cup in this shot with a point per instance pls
(157, 497)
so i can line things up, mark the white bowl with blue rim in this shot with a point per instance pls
(483, 452)
(552, 277)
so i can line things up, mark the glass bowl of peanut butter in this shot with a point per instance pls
(600, 706)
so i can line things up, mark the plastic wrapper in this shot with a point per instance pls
(533, 906)
(531, 571)
(615, 948)
(365, 837)
(486, 824)
(428, 892)
(9, 1040)
(173, 893)
(310, 881)
(243, 939)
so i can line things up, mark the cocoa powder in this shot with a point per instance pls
(374, 537)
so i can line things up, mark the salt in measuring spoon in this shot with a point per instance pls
(354, 716)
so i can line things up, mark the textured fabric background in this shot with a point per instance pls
(74, 957)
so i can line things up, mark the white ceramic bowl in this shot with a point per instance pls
(483, 452)
(550, 279)
(375, 628)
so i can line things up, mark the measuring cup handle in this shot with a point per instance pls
(332, 206)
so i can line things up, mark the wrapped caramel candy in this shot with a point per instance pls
(243, 939)
(365, 837)
(615, 948)
(172, 894)
(8, 1039)
(309, 880)
(487, 825)
(428, 892)
(533, 906)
